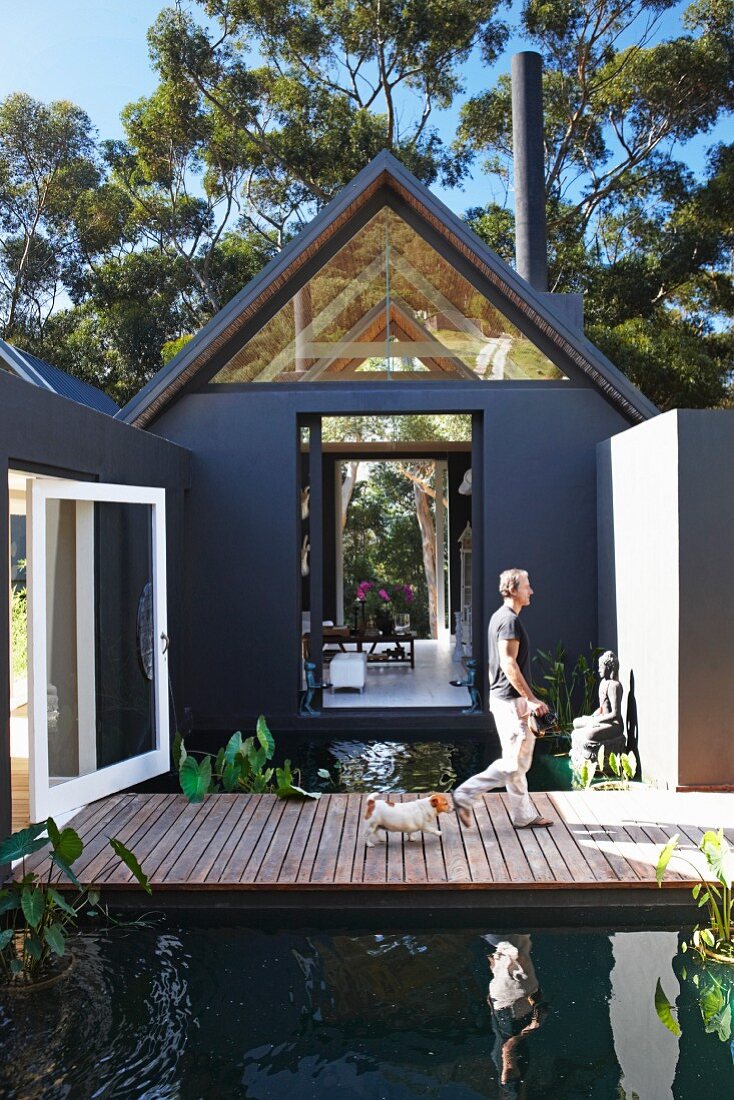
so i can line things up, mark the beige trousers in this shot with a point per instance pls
(510, 771)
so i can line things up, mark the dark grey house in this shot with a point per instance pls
(385, 304)
(166, 543)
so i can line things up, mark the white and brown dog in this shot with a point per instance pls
(420, 816)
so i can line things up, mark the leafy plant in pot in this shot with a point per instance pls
(40, 914)
(240, 765)
(713, 940)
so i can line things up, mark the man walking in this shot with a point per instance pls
(511, 701)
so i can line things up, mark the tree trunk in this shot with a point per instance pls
(428, 541)
(350, 480)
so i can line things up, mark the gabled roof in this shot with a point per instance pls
(39, 373)
(384, 172)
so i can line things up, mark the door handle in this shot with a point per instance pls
(166, 641)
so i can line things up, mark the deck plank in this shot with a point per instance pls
(586, 840)
(324, 865)
(269, 869)
(299, 840)
(259, 842)
(221, 861)
(352, 842)
(490, 841)
(579, 869)
(532, 850)
(514, 856)
(414, 854)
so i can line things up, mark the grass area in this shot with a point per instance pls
(19, 633)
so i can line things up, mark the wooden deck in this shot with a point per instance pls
(253, 851)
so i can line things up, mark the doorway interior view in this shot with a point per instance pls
(88, 669)
(394, 542)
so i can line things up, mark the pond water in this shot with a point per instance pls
(411, 766)
(180, 1010)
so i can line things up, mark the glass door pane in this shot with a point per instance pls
(99, 699)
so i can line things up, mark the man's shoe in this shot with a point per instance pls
(465, 816)
(539, 823)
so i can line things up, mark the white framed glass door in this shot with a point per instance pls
(98, 662)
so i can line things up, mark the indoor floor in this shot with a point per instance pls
(427, 685)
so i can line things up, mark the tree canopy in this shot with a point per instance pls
(113, 253)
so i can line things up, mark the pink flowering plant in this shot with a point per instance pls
(391, 597)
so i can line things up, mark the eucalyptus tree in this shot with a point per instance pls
(48, 166)
(647, 241)
(306, 92)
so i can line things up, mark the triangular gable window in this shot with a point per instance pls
(387, 305)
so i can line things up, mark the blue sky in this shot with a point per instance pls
(94, 52)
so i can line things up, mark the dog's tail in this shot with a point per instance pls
(370, 806)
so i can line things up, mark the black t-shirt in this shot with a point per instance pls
(505, 623)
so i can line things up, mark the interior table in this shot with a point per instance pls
(400, 647)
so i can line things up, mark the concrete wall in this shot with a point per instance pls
(243, 525)
(638, 582)
(44, 433)
(666, 549)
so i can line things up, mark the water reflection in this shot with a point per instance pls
(517, 1008)
(189, 1011)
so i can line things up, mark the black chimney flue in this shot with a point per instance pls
(531, 243)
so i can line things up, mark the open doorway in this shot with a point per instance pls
(18, 648)
(396, 577)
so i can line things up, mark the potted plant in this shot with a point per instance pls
(713, 940)
(39, 915)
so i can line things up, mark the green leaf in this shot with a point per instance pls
(5, 937)
(195, 779)
(16, 967)
(707, 936)
(65, 869)
(614, 763)
(54, 937)
(234, 745)
(69, 846)
(323, 773)
(696, 890)
(93, 897)
(704, 899)
(718, 855)
(9, 901)
(631, 764)
(664, 1010)
(219, 763)
(33, 946)
(23, 843)
(178, 751)
(32, 903)
(59, 900)
(285, 787)
(128, 858)
(664, 858)
(53, 831)
(600, 758)
(231, 775)
(265, 737)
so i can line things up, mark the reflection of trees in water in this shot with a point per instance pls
(418, 979)
(396, 766)
(115, 1025)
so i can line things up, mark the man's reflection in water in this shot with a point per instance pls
(517, 1007)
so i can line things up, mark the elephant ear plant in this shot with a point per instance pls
(36, 917)
(240, 765)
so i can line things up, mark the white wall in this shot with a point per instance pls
(639, 581)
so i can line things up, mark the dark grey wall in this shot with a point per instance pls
(243, 526)
(44, 433)
(706, 563)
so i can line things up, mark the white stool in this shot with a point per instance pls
(348, 670)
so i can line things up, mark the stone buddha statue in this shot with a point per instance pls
(606, 725)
